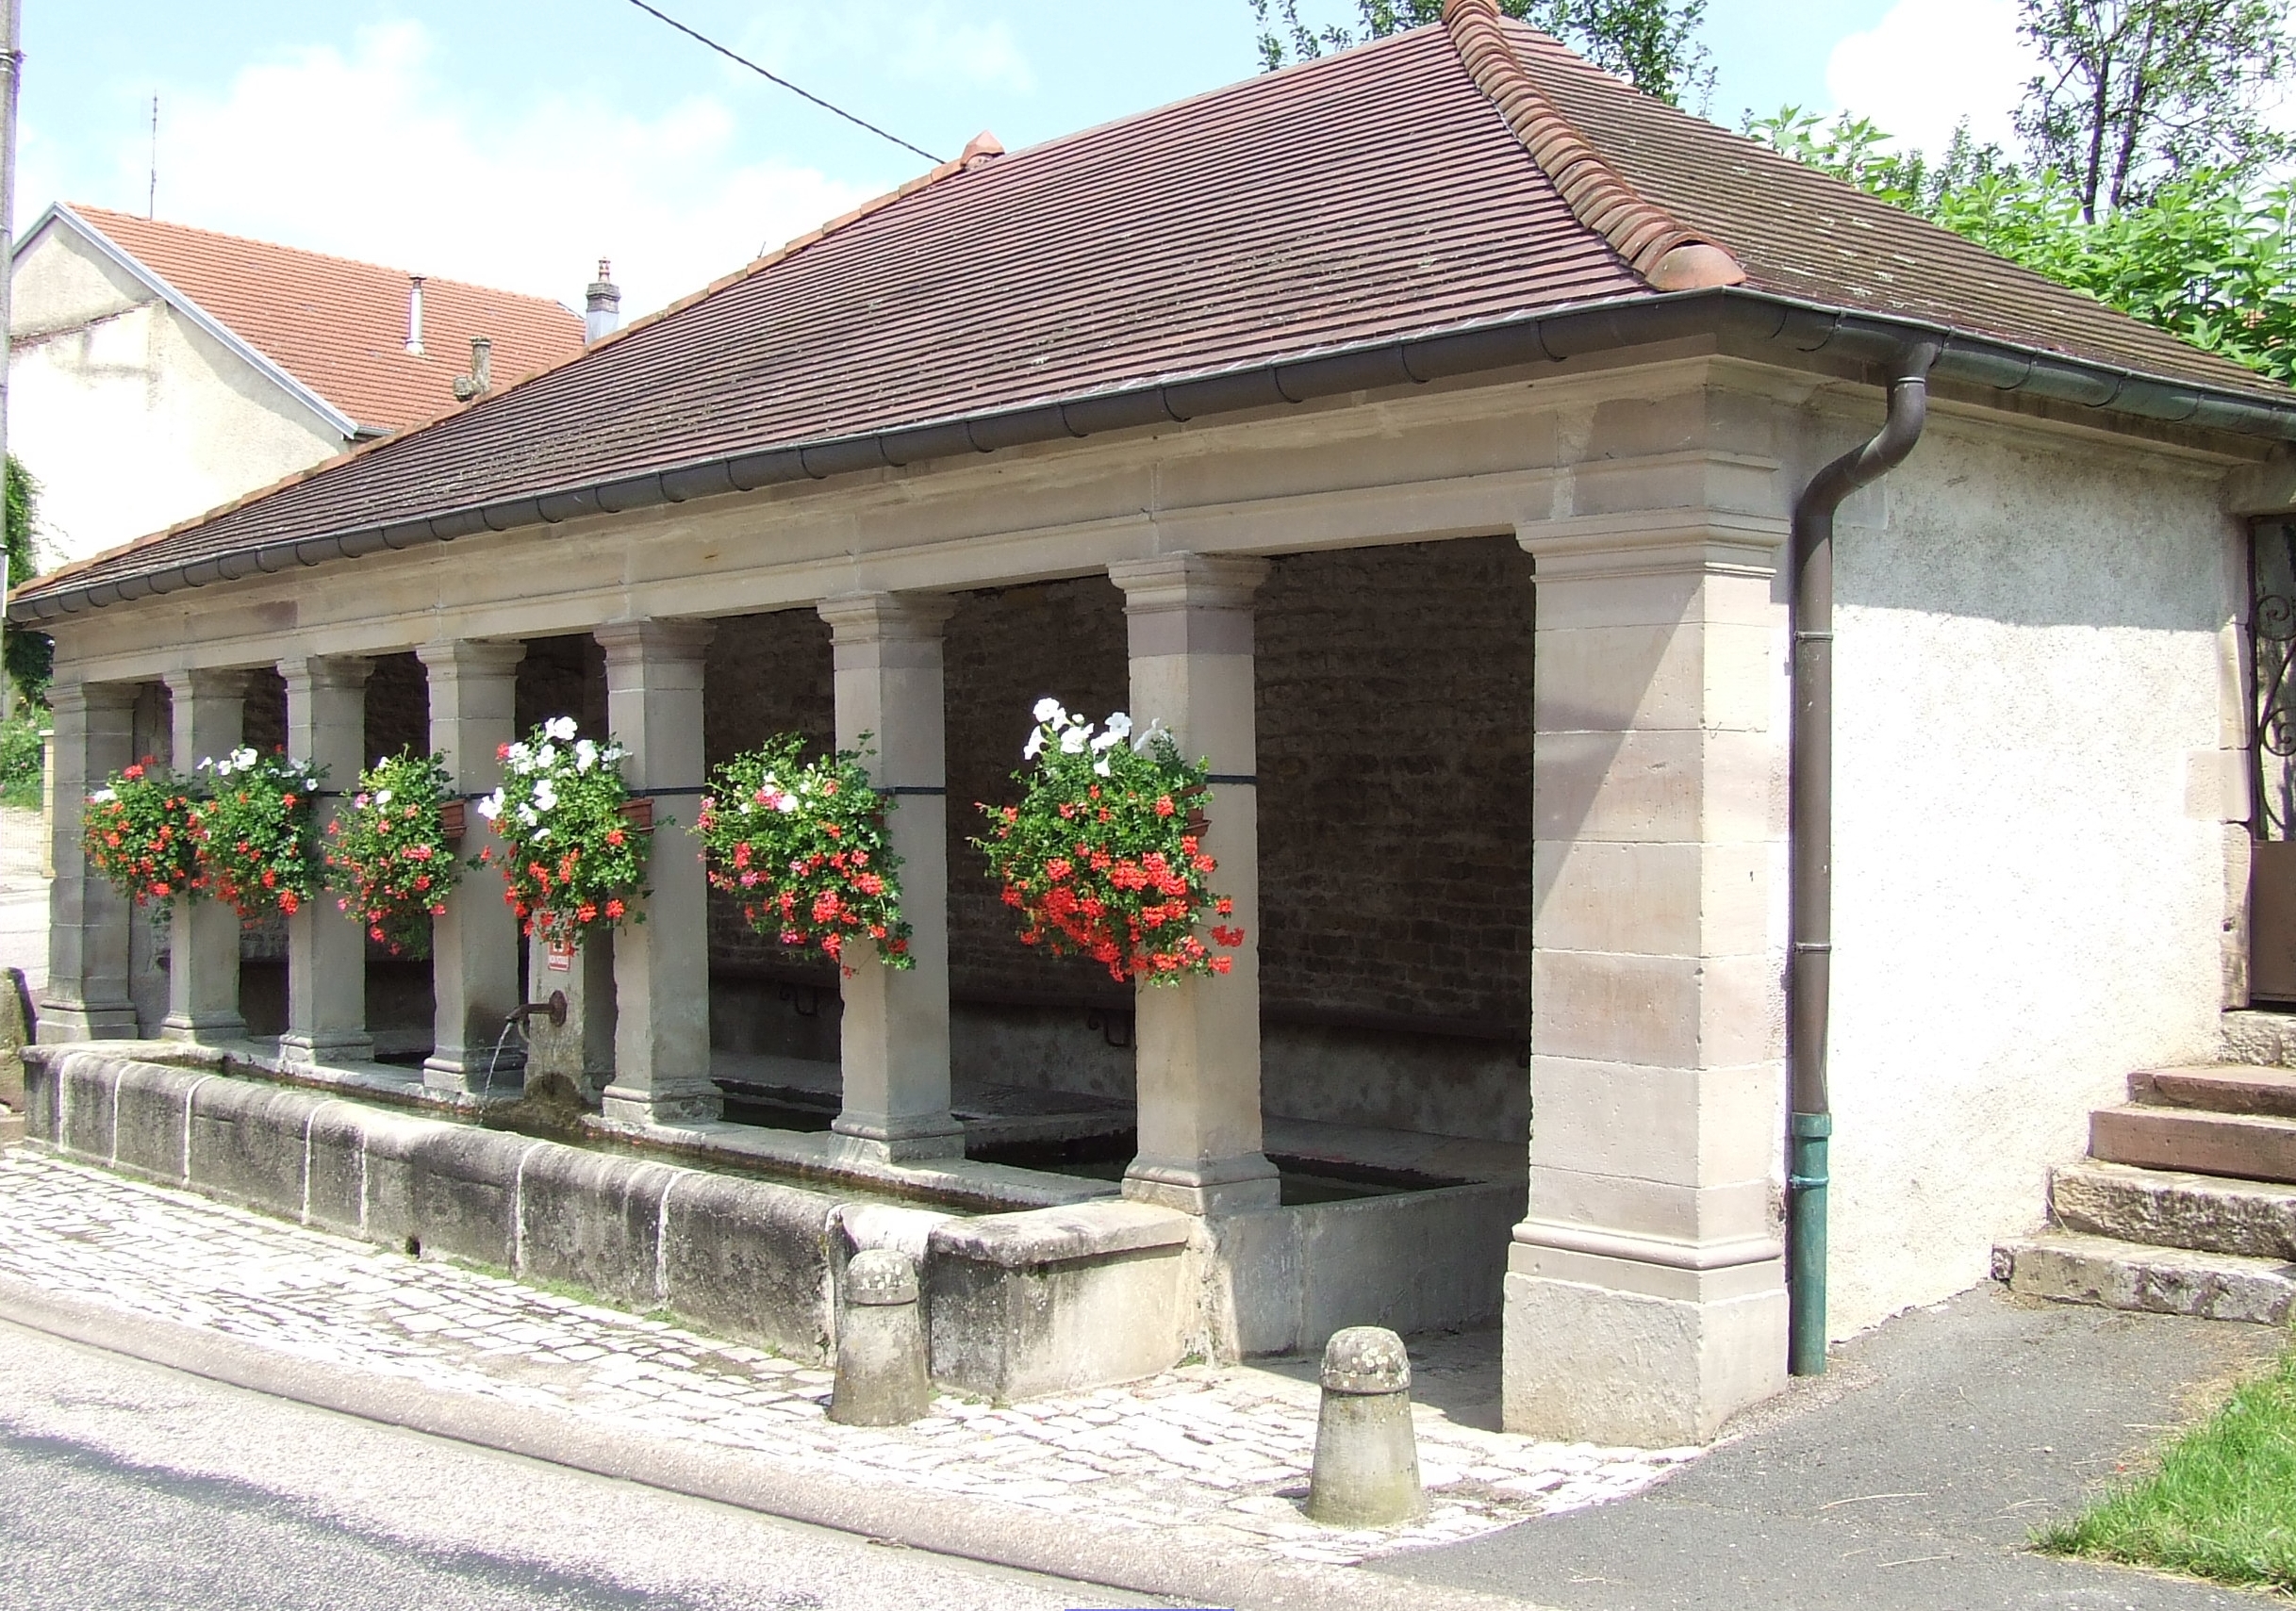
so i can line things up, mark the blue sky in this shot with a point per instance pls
(513, 142)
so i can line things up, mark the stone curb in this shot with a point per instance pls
(1136, 1558)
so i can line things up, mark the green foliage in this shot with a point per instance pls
(1650, 43)
(21, 754)
(2207, 256)
(258, 839)
(1103, 856)
(388, 851)
(2133, 94)
(801, 844)
(2222, 1503)
(24, 656)
(571, 860)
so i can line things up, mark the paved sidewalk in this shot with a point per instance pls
(1212, 1458)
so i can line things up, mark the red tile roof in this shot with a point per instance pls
(339, 326)
(1344, 212)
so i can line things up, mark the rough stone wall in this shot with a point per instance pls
(1394, 731)
(562, 677)
(398, 707)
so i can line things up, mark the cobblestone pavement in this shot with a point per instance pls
(1220, 1455)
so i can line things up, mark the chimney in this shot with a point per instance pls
(414, 314)
(604, 309)
(480, 381)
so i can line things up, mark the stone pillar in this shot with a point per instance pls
(474, 948)
(89, 921)
(1645, 1294)
(1198, 1043)
(894, 1038)
(204, 935)
(327, 947)
(661, 965)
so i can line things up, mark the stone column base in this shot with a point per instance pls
(61, 1021)
(905, 1141)
(202, 1028)
(1597, 1365)
(638, 1109)
(505, 1080)
(1211, 1185)
(325, 1050)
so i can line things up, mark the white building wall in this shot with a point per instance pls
(129, 416)
(2030, 874)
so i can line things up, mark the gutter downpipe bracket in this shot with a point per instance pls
(1810, 842)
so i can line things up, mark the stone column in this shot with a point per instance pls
(474, 948)
(661, 965)
(204, 935)
(1198, 1043)
(327, 947)
(89, 921)
(894, 1039)
(1645, 1294)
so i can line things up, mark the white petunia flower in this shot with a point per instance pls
(1034, 747)
(785, 804)
(545, 798)
(1099, 767)
(311, 783)
(1072, 740)
(491, 807)
(1048, 711)
(559, 727)
(585, 755)
(382, 797)
(528, 817)
(104, 796)
(1119, 724)
(1142, 740)
(242, 757)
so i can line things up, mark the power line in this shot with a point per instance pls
(734, 56)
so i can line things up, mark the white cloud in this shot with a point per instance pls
(1928, 64)
(383, 154)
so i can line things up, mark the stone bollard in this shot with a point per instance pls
(1366, 1472)
(881, 1344)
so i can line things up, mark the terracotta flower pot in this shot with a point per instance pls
(638, 813)
(453, 820)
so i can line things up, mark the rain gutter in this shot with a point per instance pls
(1795, 327)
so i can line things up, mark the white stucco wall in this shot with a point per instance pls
(130, 417)
(2029, 883)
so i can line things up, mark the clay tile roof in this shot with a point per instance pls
(1461, 176)
(339, 326)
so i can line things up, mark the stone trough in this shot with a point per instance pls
(1018, 1302)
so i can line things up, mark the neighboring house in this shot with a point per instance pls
(1425, 434)
(157, 371)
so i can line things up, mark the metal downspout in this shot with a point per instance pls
(1810, 842)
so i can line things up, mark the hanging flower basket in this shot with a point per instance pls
(1103, 855)
(137, 833)
(389, 855)
(572, 857)
(803, 845)
(257, 839)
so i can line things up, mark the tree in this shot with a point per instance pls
(1650, 43)
(2209, 254)
(25, 656)
(2133, 93)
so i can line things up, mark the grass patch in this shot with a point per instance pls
(2222, 1503)
(20, 760)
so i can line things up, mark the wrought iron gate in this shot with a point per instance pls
(2272, 886)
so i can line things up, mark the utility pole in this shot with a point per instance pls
(11, 65)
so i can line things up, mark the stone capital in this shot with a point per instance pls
(655, 641)
(872, 617)
(207, 683)
(1661, 542)
(1187, 582)
(344, 671)
(88, 699)
(470, 657)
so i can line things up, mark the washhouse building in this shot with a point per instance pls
(1435, 437)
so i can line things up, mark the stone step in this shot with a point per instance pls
(2074, 1268)
(2220, 1088)
(2249, 1146)
(2254, 1219)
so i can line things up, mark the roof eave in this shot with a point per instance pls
(1803, 328)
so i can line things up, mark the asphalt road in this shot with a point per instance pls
(125, 1485)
